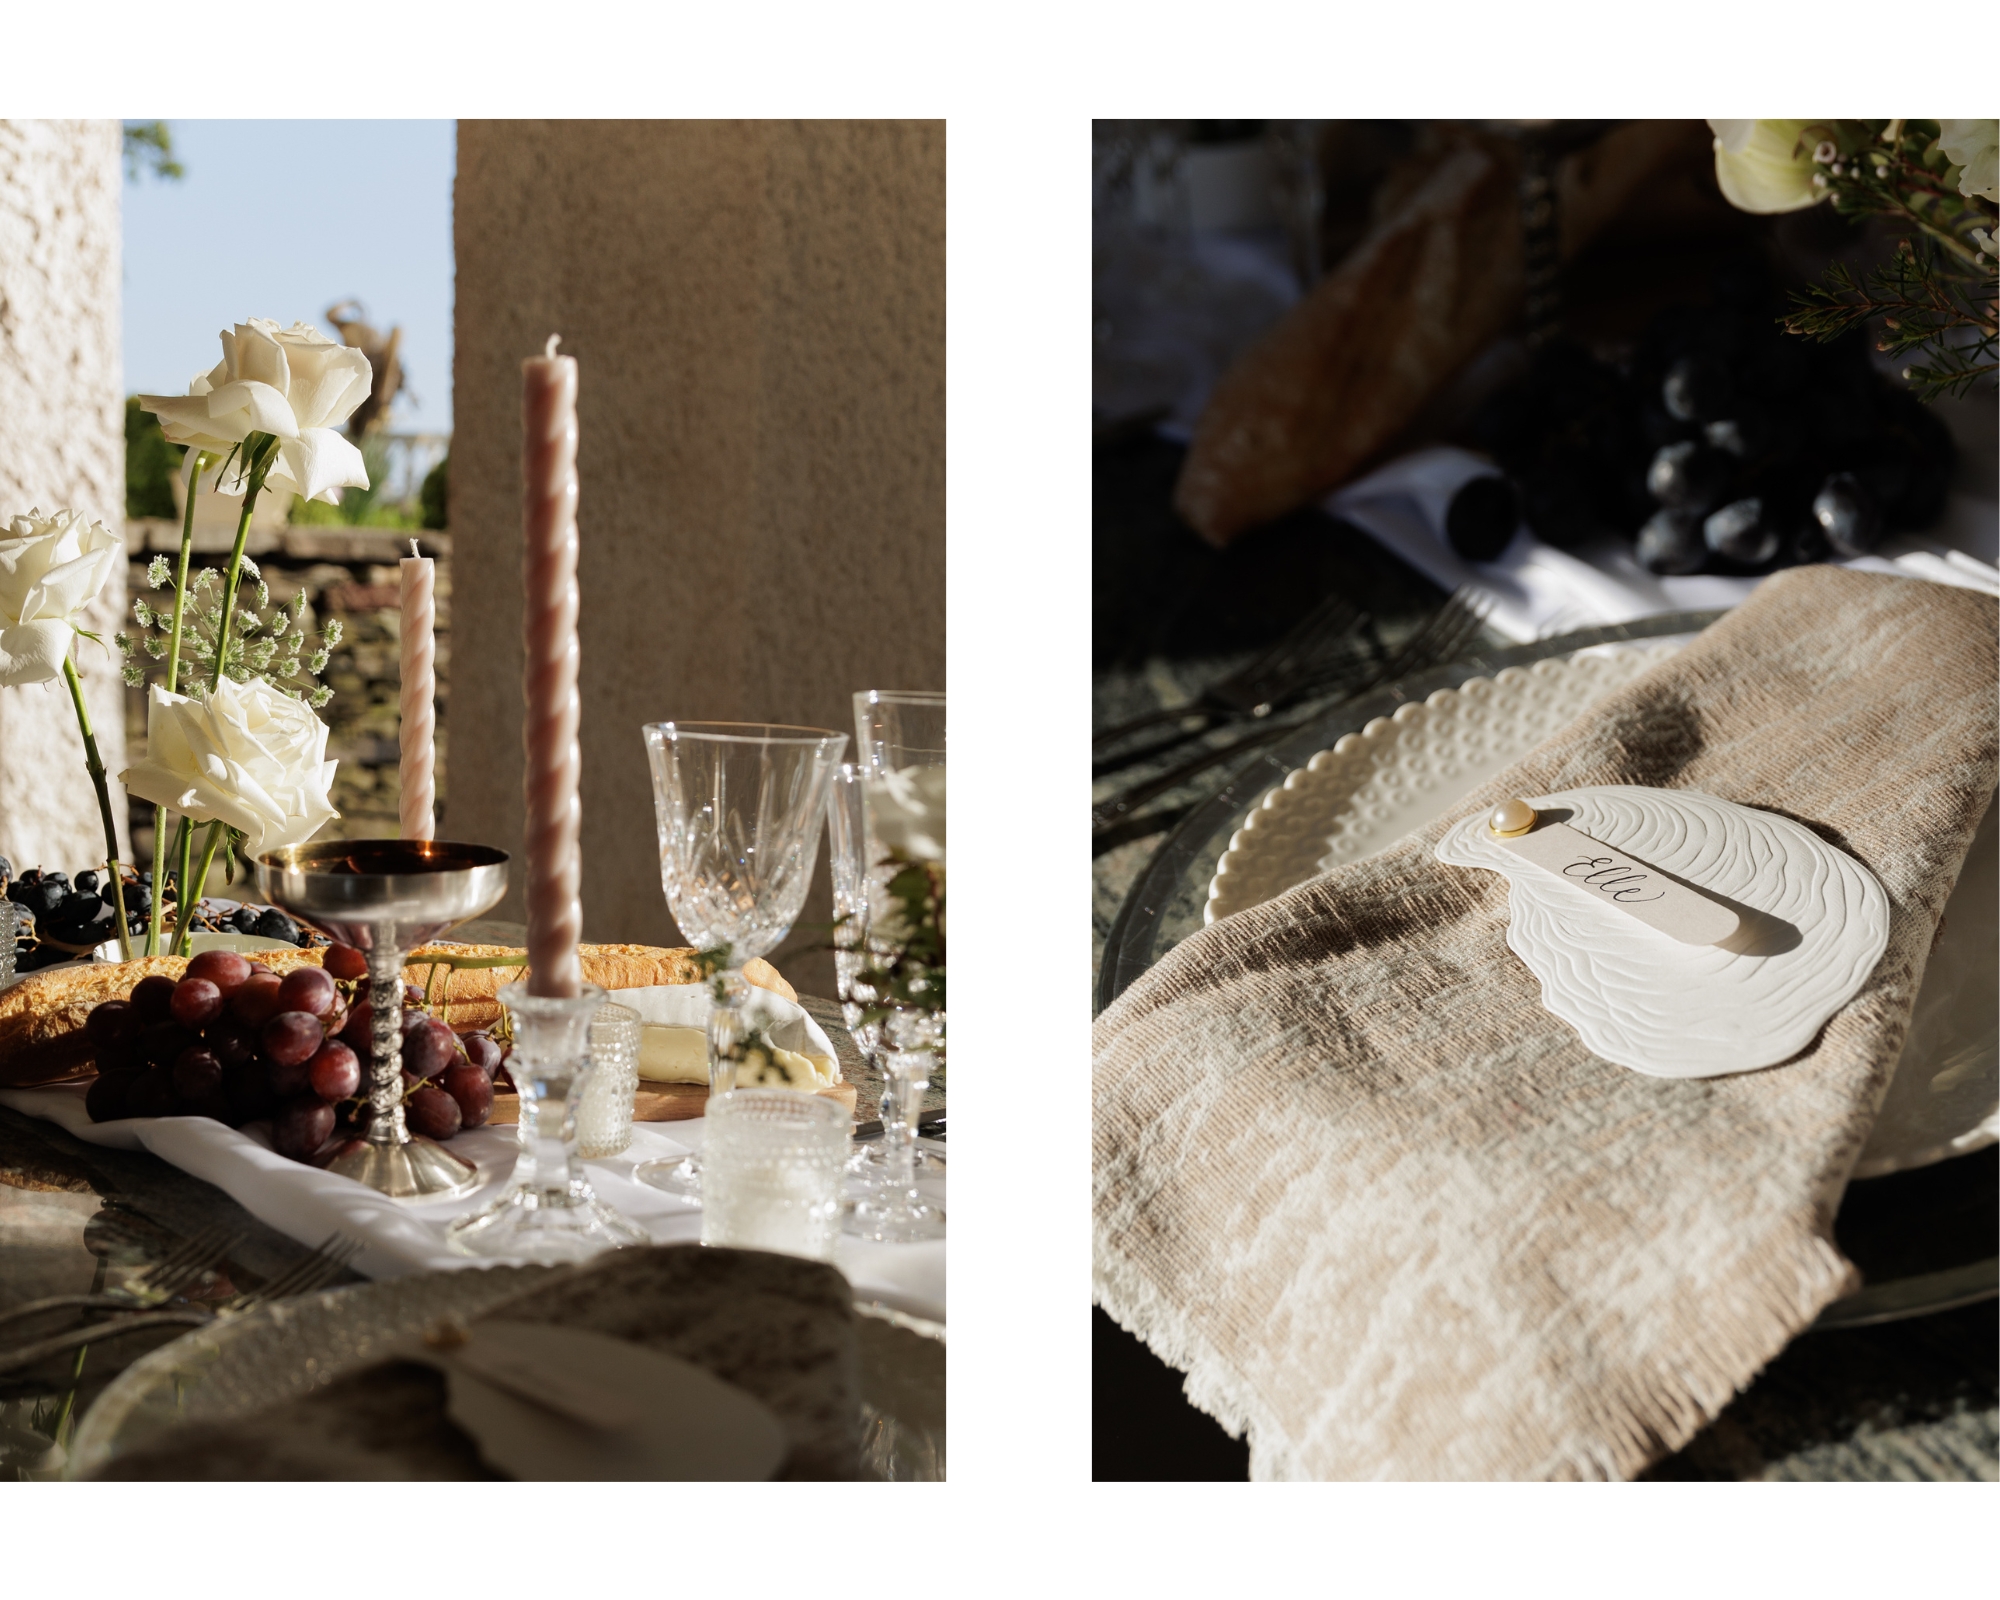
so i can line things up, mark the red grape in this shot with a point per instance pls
(232, 1043)
(248, 1087)
(257, 1001)
(309, 990)
(152, 1096)
(291, 1037)
(413, 997)
(196, 1003)
(344, 961)
(152, 997)
(335, 1071)
(109, 1021)
(483, 1051)
(360, 1019)
(469, 1086)
(197, 1073)
(162, 1041)
(121, 1055)
(224, 968)
(105, 1100)
(301, 1126)
(257, 966)
(432, 1113)
(429, 1047)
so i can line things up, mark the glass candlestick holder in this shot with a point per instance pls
(551, 1215)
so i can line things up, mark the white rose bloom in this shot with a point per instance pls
(50, 569)
(1975, 147)
(294, 383)
(906, 812)
(1764, 166)
(247, 754)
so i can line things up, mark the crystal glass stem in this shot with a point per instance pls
(907, 1074)
(550, 1214)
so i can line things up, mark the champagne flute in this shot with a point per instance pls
(900, 740)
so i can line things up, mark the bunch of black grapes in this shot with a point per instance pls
(1724, 445)
(76, 914)
(234, 1041)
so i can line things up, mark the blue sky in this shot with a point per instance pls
(282, 220)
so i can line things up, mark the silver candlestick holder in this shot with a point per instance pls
(386, 897)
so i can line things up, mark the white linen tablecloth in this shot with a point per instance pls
(402, 1237)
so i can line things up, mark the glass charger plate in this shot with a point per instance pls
(283, 1351)
(1173, 898)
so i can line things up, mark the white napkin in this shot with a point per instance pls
(1537, 591)
(401, 1236)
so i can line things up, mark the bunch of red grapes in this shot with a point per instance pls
(234, 1041)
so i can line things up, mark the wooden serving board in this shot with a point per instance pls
(661, 1102)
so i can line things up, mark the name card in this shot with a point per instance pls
(1616, 879)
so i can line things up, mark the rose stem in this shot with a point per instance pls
(202, 460)
(95, 763)
(258, 450)
(184, 918)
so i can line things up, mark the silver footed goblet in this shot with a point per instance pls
(385, 897)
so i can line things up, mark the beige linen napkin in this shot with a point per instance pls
(1397, 1222)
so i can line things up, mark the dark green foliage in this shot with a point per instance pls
(149, 147)
(150, 464)
(433, 497)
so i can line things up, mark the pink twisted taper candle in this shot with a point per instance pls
(416, 805)
(548, 570)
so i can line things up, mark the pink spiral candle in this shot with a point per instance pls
(416, 807)
(548, 570)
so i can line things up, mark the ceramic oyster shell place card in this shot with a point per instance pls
(1811, 922)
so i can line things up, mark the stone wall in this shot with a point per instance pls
(758, 314)
(62, 444)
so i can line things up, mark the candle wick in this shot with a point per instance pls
(550, 350)
(415, 554)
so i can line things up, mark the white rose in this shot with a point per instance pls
(247, 754)
(50, 569)
(294, 383)
(1973, 146)
(1765, 166)
(906, 811)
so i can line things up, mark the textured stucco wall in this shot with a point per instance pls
(758, 314)
(62, 443)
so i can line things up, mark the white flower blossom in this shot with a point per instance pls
(292, 383)
(51, 568)
(1762, 166)
(245, 754)
(1974, 147)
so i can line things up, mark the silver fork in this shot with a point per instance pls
(179, 1270)
(308, 1273)
(1439, 640)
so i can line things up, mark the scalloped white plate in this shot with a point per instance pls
(1357, 798)
(1397, 773)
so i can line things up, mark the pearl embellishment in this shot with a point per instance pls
(1512, 819)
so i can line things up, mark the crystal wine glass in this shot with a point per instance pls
(739, 808)
(900, 740)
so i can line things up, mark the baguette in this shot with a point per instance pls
(1342, 373)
